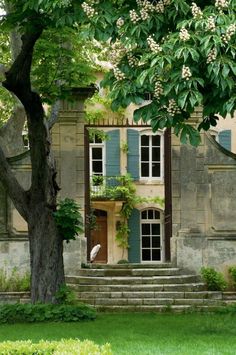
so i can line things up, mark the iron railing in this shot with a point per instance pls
(106, 188)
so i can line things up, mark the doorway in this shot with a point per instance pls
(99, 236)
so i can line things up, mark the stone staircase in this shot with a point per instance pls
(139, 287)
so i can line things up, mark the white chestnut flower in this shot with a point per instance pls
(153, 45)
(184, 34)
(196, 11)
(186, 73)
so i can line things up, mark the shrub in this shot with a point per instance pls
(69, 219)
(232, 272)
(14, 282)
(214, 280)
(65, 295)
(64, 346)
(123, 261)
(12, 313)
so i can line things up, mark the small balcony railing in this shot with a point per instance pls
(106, 188)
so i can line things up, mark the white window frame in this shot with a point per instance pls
(97, 145)
(162, 243)
(150, 177)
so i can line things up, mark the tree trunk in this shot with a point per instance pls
(46, 255)
(37, 204)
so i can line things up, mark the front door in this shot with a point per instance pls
(99, 236)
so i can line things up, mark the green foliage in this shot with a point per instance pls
(228, 309)
(98, 133)
(122, 234)
(14, 282)
(181, 53)
(99, 107)
(232, 272)
(123, 261)
(61, 62)
(128, 192)
(64, 346)
(214, 280)
(12, 313)
(159, 200)
(69, 219)
(65, 295)
(92, 220)
(124, 147)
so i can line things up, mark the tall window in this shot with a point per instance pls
(151, 152)
(151, 235)
(97, 161)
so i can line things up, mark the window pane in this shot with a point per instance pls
(156, 140)
(150, 214)
(144, 169)
(146, 242)
(146, 254)
(156, 171)
(145, 140)
(96, 153)
(156, 242)
(155, 229)
(145, 229)
(157, 215)
(97, 166)
(145, 154)
(156, 254)
(155, 154)
(144, 215)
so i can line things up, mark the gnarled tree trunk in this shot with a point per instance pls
(37, 204)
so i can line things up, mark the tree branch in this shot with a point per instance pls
(18, 76)
(12, 186)
(54, 114)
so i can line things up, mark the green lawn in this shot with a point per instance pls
(141, 333)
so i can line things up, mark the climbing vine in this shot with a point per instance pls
(125, 191)
(98, 107)
(130, 199)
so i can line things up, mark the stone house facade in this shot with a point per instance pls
(194, 227)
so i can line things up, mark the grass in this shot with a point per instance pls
(205, 334)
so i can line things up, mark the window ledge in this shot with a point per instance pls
(150, 182)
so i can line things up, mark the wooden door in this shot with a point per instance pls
(99, 236)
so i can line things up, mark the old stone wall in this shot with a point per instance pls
(68, 147)
(204, 205)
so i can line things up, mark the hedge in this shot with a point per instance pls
(65, 347)
(12, 313)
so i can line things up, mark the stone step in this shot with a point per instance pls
(156, 308)
(175, 279)
(152, 302)
(148, 308)
(14, 297)
(185, 287)
(141, 272)
(129, 266)
(206, 295)
(229, 295)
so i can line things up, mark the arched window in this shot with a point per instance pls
(151, 236)
(151, 156)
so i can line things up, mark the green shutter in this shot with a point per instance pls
(225, 139)
(134, 237)
(133, 153)
(113, 153)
